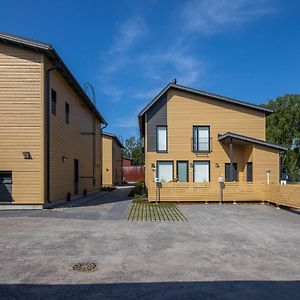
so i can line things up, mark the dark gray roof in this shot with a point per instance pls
(114, 137)
(52, 55)
(201, 93)
(229, 135)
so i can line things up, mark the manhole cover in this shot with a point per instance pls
(85, 267)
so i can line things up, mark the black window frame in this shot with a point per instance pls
(67, 113)
(159, 161)
(237, 172)
(198, 160)
(187, 169)
(197, 138)
(167, 146)
(249, 163)
(53, 102)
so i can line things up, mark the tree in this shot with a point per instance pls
(283, 128)
(134, 150)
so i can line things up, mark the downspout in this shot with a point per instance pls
(48, 127)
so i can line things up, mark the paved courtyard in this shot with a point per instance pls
(221, 252)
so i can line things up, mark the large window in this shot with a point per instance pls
(234, 172)
(53, 102)
(67, 113)
(201, 171)
(161, 138)
(183, 171)
(165, 171)
(201, 137)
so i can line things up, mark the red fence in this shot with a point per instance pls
(133, 173)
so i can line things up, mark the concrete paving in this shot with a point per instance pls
(223, 252)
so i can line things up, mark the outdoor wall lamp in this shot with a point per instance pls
(217, 165)
(27, 155)
(64, 159)
(153, 167)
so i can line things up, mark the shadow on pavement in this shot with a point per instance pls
(238, 290)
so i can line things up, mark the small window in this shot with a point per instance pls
(183, 171)
(201, 171)
(165, 171)
(234, 172)
(249, 172)
(67, 113)
(201, 138)
(161, 138)
(53, 102)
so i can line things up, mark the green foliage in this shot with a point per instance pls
(283, 128)
(138, 190)
(134, 150)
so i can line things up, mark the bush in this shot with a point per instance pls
(138, 190)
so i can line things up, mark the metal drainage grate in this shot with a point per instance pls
(85, 267)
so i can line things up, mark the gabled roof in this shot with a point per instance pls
(49, 51)
(114, 137)
(200, 93)
(229, 135)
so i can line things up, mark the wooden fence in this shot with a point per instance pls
(133, 173)
(287, 195)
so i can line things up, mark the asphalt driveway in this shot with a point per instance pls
(222, 252)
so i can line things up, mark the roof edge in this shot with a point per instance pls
(251, 140)
(51, 53)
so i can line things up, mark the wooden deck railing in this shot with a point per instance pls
(288, 195)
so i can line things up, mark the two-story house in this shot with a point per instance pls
(50, 142)
(199, 144)
(112, 173)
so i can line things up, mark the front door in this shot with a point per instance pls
(76, 176)
(5, 186)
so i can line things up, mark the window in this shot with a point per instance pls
(249, 172)
(183, 171)
(53, 102)
(161, 138)
(234, 173)
(201, 137)
(165, 171)
(201, 171)
(67, 113)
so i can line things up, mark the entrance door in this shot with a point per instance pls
(5, 186)
(76, 176)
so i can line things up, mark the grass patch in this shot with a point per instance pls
(163, 212)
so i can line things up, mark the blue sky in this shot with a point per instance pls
(129, 50)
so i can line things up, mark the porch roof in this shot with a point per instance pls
(242, 139)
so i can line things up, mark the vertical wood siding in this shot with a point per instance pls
(22, 122)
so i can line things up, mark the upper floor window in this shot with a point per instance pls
(67, 113)
(161, 138)
(53, 102)
(201, 137)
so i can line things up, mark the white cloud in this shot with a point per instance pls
(213, 16)
(127, 36)
(176, 63)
